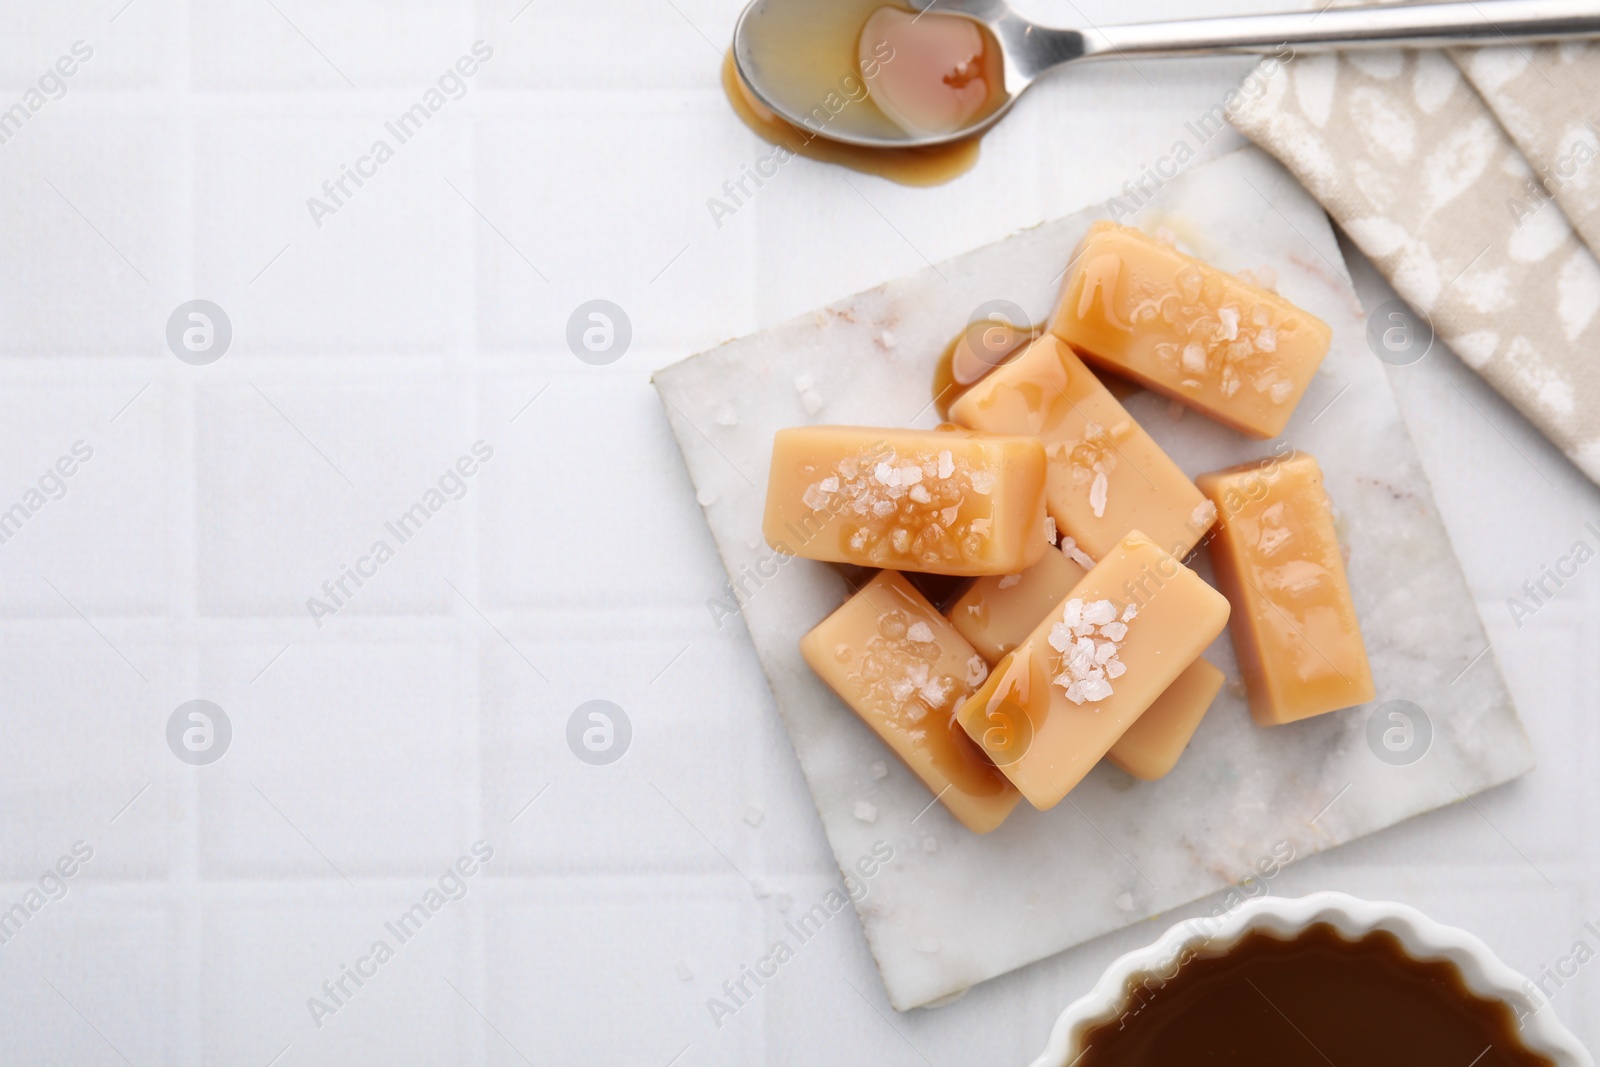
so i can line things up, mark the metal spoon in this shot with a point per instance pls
(777, 49)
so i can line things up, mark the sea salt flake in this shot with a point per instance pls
(830, 484)
(947, 464)
(886, 475)
(1104, 651)
(1097, 495)
(1130, 613)
(910, 475)
(1077, 555)
(1267, 339)
(1116, 668)
(1189, 283)
(982, 481)
(1115, 631)
(920, 631)
(1072, 615)
(1094, 690)
(879, 769)
(1280, 390)
(866, 812)
(883, 508)
(1099, 612)
(815, 497)
(1203, 515)
(936, 691)
(1229, 319)
(1060, 637)
(1194, 358)
(920, 495)
(1009, 580)
(706, 497)
(1049, 530)
(726, 416)
(803, 383)
(812, 402)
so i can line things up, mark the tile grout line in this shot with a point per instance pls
(473, 950)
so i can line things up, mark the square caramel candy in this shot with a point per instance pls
(1107, 476)
(904, 670)
(945, 502)
(996, 614)
(1277, 557)
(1054, 707)
(1238, 353)
(1151, 746)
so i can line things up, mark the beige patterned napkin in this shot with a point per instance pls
(1457, 176)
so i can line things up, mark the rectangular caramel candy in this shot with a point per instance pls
(1107, 476)
(1277, 557)
(946, 502)
(902, 668)
(1151, 746)
(1052, 708)
(1238, 353)
(998, 612)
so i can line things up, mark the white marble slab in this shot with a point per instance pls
(953, 909)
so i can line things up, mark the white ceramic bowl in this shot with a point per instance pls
(1421, 937)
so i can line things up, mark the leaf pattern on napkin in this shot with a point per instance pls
(1445, 182)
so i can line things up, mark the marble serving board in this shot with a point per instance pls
(953, 908)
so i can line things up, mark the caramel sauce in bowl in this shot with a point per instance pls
(1182, 981)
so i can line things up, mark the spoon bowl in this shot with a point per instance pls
(800, 58)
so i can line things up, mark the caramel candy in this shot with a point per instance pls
(904, 670)
(998, 612)
(1238, 353)
(946, 502)
(1151, 746)
(1277, 557)
(1106, 474)
(1056, 705)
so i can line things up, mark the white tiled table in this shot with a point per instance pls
(370, 753)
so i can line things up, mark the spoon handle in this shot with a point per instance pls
(1484, 22)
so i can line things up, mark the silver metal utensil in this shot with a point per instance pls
(795, 85)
